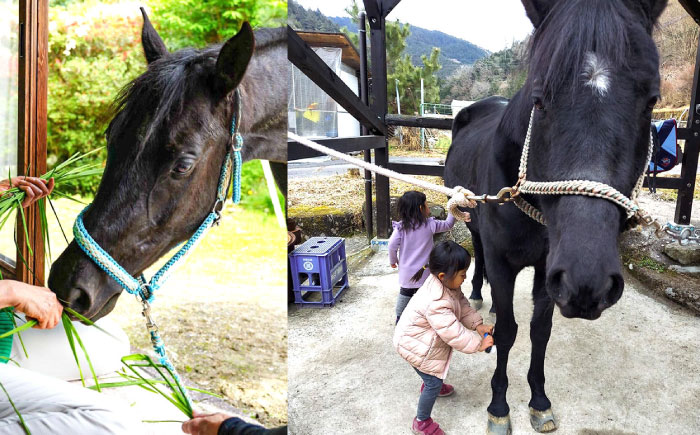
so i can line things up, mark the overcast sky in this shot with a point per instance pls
(493, 24)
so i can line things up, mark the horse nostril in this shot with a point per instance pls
(614, 288)
(558, 283)
(79, 300)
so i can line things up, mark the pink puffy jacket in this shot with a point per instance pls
(434, 322)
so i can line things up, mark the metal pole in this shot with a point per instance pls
(422, 101)
(398, 108)
(369, 224)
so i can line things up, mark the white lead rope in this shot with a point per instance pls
(459, 196)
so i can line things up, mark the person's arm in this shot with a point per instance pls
(470, 317)
(394, 245)
(225, 424)
(443, 320)
(35, 302)
(34, 188)
(440, 226)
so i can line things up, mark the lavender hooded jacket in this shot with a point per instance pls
(415, 246)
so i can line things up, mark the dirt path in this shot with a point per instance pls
(634, 370)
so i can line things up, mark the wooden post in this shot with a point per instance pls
(689, 166)
(378, 104)
(33, 78)
(369, 224)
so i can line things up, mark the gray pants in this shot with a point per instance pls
(405, 295)
(428, 396)
(51, 406)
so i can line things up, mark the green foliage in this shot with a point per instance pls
(196, 23)
(95, 50)
(400, 67)
(254, 193)
(502, 73)
(303, 19)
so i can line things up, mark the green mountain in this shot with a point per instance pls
(300, 18)
(454, 52)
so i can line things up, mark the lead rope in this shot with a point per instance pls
(145, 290)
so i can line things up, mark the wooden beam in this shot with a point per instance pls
(419, 121)
(693, 8)
(304, 58)
(297, 151)
(664, 182)
(418, 169)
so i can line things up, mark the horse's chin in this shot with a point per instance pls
(106, 308)
(572, 312)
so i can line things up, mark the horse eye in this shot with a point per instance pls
(183, 167)
(537, 102)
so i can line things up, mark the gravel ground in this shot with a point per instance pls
(633, 371)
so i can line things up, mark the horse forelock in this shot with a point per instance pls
(581, 43)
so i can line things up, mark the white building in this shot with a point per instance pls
(311, 112)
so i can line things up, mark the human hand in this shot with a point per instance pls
(34, 188)
(484, 329)
(393, 266)
(467, 216)
(486, 342)
(35, 302)
(204, 424)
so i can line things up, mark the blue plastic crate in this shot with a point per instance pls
(319, 266)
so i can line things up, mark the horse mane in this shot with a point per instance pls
(164, 89)
(574, 28)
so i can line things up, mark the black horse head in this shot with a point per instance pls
(594, 80)
(166, 146)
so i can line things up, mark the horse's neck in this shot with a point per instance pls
(509, 138)
(264, 115)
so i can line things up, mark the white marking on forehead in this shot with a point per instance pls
(596, 74)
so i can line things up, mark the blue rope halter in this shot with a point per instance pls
(145, 290)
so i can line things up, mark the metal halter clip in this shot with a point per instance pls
(507, 194)
(218, 207)
(150, 323)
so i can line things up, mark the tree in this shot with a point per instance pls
(400, 67)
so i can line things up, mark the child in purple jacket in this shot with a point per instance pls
(413, 236)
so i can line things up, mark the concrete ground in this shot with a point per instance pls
(636, 370)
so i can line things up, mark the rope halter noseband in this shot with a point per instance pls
(145, 290)
(574, 187)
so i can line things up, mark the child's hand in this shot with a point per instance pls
(393, 266)
(486, 342)
(484, 329)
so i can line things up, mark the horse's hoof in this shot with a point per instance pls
(543, 421)
(476, 303)
(499, 425)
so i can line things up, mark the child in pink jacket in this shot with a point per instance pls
(436, 320)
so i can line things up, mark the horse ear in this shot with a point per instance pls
(234, 57)
(153, 45)
(537, 10)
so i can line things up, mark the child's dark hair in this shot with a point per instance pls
(409, 209)
(447, 257)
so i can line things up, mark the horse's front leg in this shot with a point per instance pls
(502, 278)
(541, 416)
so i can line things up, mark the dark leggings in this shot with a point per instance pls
(428, 396)
(405, 295)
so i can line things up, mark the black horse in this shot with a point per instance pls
(166, 146)
(593, 81)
